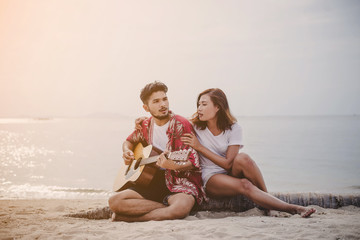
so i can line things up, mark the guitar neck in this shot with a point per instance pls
(154, 159)
(148, 160)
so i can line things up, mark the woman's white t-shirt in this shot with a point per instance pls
(218, 145)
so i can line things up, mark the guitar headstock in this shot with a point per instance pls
(181, 155)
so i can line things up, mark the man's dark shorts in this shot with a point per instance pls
(157, 190)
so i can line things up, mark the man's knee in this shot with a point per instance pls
(115, 200)
(179, 213)
(181, 205)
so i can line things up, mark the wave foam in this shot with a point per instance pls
(27, 191)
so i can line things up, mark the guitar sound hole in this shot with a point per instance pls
(137, 164)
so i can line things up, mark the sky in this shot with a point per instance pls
(62, 58)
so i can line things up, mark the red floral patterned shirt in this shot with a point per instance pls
(188, 181)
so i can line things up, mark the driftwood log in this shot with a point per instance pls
(240, 203)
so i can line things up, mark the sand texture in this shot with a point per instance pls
(45, 219)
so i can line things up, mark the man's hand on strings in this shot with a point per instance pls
(128, 156)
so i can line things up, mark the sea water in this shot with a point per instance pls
(80, 158)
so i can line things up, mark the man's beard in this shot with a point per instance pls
(161, 117)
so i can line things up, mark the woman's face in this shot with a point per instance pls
(206, 109)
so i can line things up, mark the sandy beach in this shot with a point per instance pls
(45, 219)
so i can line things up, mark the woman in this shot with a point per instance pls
(225, 171)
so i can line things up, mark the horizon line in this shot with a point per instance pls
(118, 115)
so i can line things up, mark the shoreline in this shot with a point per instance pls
(45, 219)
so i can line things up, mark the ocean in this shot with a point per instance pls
(80, 157)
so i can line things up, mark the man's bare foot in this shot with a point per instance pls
(124, 218)
(113, 217)
(307, 212)
(117, 218)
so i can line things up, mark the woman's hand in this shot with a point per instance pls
(138, 122)
(191, 140)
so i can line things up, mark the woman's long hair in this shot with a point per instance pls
(224, 118)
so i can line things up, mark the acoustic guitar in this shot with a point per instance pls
(142, 169)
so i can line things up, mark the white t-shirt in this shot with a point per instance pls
(218, 144)
(160, 139)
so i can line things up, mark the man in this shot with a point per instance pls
(175, 189)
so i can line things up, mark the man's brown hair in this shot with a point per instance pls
(150, 89)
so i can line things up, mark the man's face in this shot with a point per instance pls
(158, 105)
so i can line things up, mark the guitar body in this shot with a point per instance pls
(145, 175)
(142, 169)
(136, 174)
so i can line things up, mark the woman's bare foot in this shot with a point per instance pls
(306, 212)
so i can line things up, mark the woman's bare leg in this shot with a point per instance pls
(221, 185)
(245, 167)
